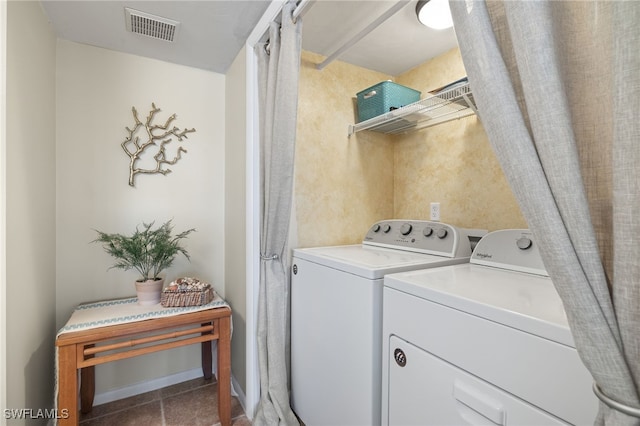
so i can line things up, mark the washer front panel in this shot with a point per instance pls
(335, 346)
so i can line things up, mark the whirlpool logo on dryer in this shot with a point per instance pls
(484, 255)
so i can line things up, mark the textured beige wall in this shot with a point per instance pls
(452, 163)
(343, 185)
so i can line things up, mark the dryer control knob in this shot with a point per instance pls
(524, 243)
(376, 228)
(406, 229)
(442, 233)
(386, 228)
(427, 232)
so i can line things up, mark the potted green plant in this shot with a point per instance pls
(149, 251)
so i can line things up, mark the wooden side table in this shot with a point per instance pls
(83, 350)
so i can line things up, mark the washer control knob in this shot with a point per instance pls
(524, 243)
(428, 231)
(386, 228)
(406, 228)
(442, 233)
(376, 228)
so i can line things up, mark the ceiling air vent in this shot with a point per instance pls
(150, 25)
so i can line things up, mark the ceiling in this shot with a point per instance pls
(397, 45)
(212, 32)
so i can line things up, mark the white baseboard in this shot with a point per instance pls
(236, 390)
(161, 382)
(142, 387)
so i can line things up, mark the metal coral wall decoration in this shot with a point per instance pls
(153, 134)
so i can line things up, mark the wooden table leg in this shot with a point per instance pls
(207, 358)
(67, 386)
(87, 388)
(224, 371)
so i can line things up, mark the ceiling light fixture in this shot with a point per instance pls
(434, 14)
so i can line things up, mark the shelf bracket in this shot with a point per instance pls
(471, 104)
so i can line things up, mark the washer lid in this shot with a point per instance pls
(372, 262)
(520, 300)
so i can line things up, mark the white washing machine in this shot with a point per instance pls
(485, 343)
(336, 315)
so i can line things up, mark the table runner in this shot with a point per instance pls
(122, 311)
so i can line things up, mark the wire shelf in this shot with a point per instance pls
(450, 104)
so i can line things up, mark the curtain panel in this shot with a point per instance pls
(278, 74)
(557, 85)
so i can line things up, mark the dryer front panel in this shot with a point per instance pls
(546, 374)
(425, 390)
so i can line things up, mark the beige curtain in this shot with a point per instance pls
(558, 90)
(278, 73)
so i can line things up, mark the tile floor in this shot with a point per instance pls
(191, 403)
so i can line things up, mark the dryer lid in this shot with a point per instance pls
(519, 300)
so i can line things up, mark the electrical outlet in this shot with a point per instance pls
(435, 211)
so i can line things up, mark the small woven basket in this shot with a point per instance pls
(186, 297)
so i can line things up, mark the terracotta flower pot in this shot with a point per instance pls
(149, 291)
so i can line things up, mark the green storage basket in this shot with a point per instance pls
(384, 97)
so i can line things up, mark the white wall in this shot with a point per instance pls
(235, 212)
(30, 207)
(96, 90)
(3, 205)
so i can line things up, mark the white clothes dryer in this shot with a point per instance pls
(482, 343)
(336, 315)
